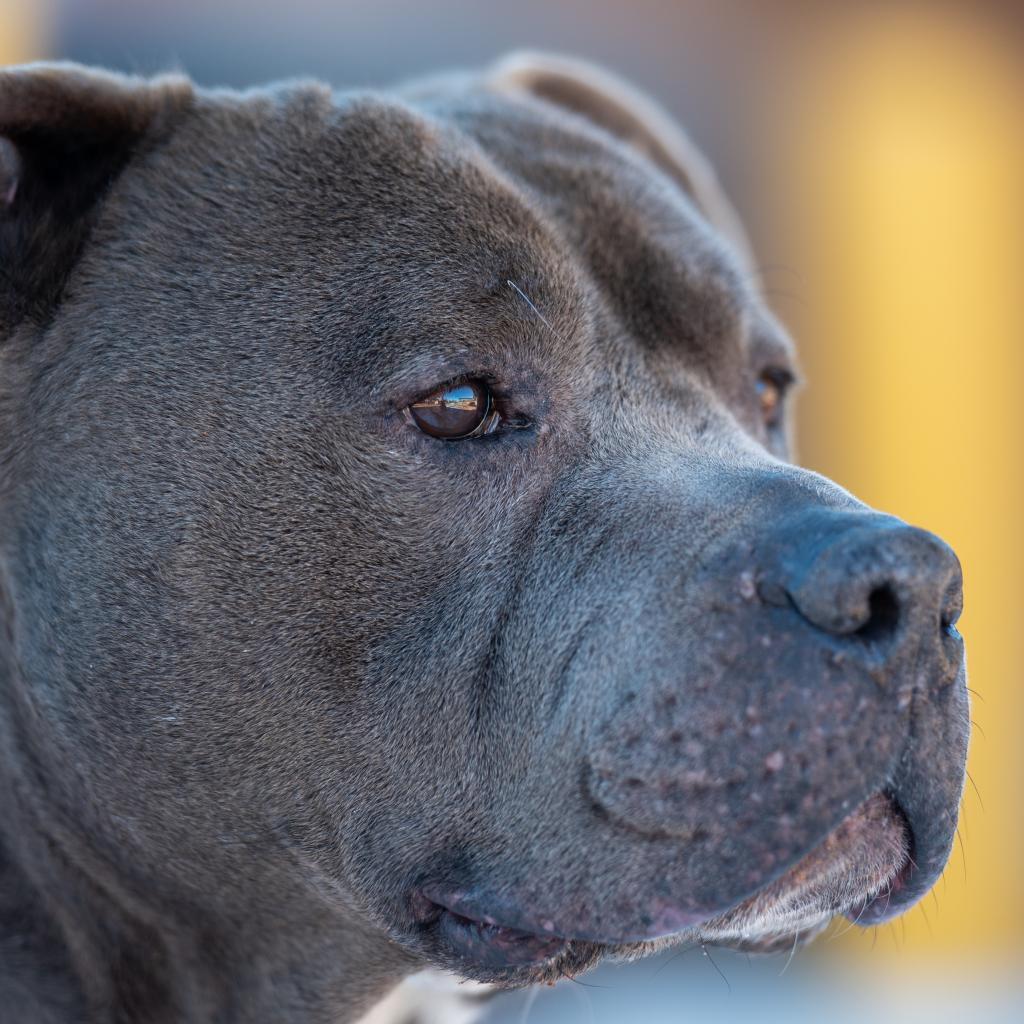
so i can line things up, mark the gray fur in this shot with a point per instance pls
(273, 664)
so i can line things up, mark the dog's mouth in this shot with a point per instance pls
(491, 945)
(854, 871)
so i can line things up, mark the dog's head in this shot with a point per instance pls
(396, 510)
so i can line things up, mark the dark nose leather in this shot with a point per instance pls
(889, 590)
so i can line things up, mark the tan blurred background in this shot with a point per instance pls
(876, 151)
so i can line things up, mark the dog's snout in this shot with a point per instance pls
(886, 587)
(824, 662)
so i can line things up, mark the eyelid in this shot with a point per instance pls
(453, 382)
(782, 377)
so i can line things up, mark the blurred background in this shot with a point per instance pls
(876, 153)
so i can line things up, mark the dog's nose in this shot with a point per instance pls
(887, 588)
(785, 720)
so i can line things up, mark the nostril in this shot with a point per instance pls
(889, 592)
(883, 615)
(952, 606)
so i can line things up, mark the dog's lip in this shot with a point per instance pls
(885, 905)
(923, 864)
(662, 920)
(479, 937)
(659, 919)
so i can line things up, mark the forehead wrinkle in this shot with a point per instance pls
(451, 304)
(660, 270)
(538, 268)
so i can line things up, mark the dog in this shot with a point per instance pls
(401, 563)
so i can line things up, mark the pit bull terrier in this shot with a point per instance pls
(401, 564)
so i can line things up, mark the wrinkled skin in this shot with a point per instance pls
(297, 699)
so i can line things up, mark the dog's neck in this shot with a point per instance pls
(80, 962)
(85, 953)
(80, 945)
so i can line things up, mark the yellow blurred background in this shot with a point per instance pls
(876, 151)
(909, 165)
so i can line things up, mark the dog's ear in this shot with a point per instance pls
(66, 132)
(625, 112)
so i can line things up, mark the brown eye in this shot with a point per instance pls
(455, 412)
(771, 390)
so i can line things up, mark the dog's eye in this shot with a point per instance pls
(771, 393)
(455, 412)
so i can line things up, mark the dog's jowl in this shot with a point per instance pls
(401, 564)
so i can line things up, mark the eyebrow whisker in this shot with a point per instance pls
(526, 298)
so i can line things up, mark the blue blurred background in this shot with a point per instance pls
(876, 152)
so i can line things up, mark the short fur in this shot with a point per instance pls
(289, 689)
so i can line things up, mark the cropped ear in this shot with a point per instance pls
(66, 132)
(625, 112)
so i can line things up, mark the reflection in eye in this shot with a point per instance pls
(456, 412)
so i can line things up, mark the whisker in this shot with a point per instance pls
(585, 995)
(963, 852)
(846, 927)
(977, 792)
(856, 920)
(792, 953)
(964, 820)
(672, 959)
(583, 984)
(704, 950)
(888, 897)
(526, 298)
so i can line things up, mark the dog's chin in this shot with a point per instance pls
(856, 864)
